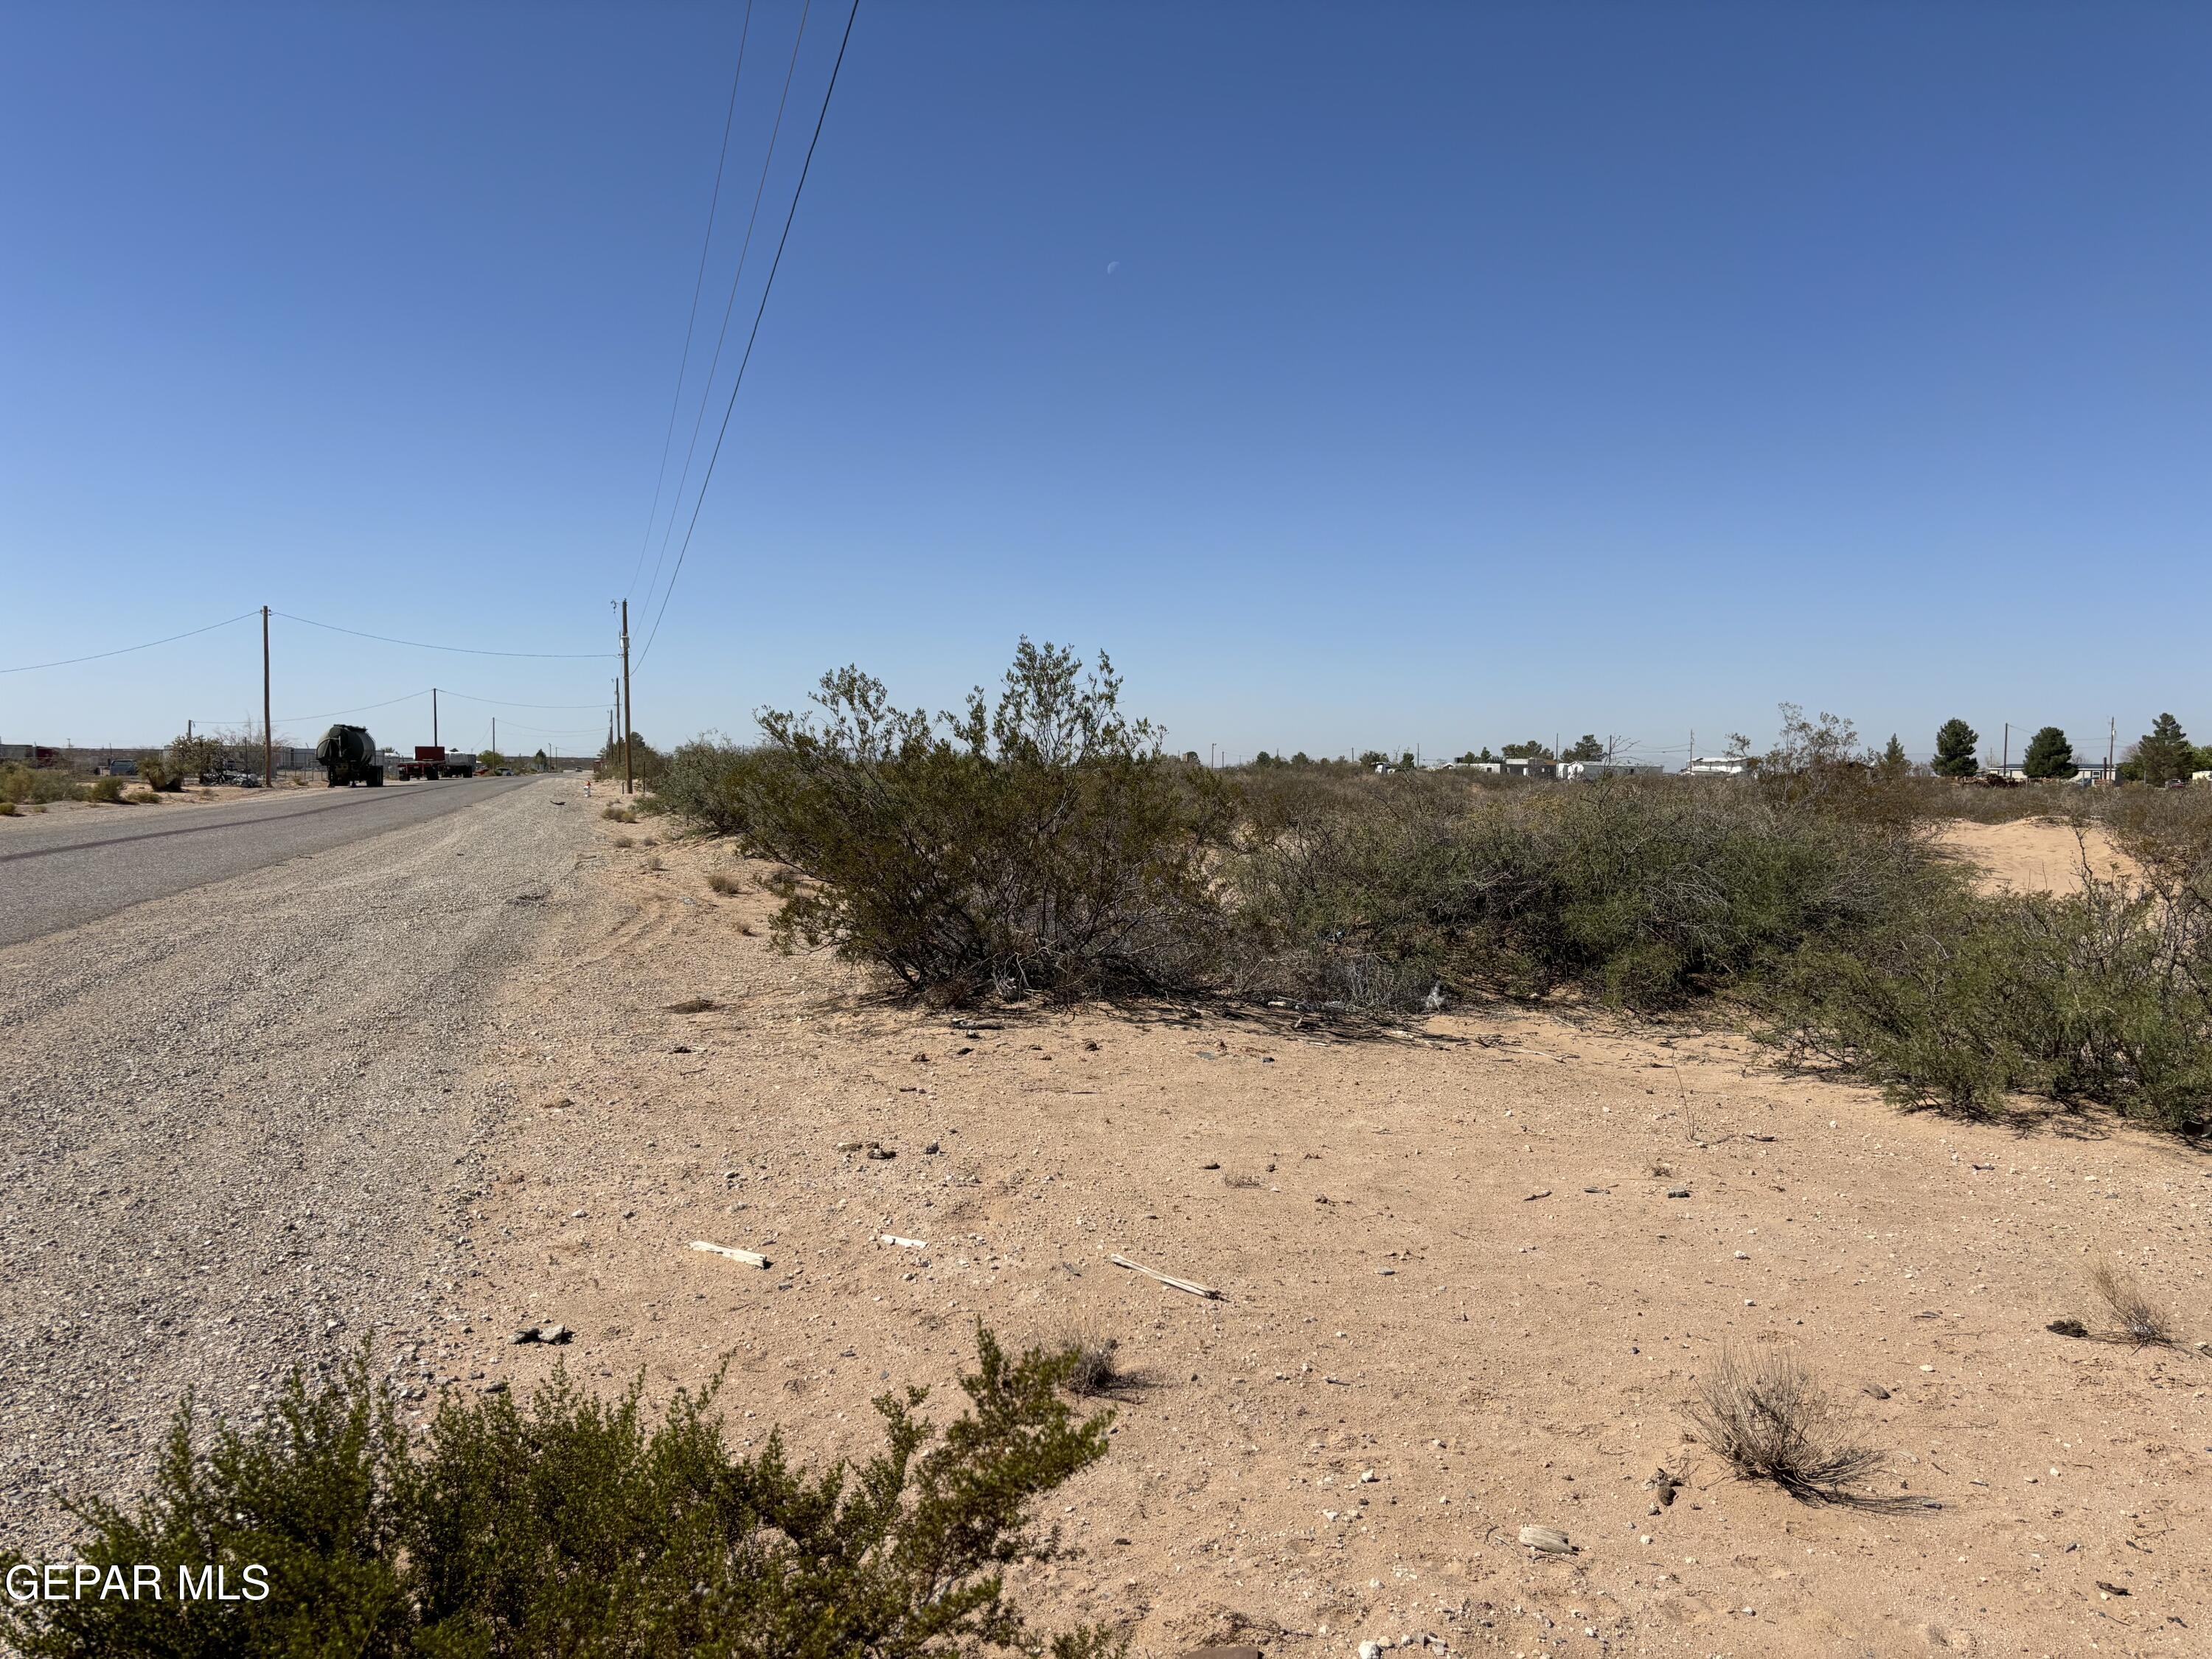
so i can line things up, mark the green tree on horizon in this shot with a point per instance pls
(1954, 749)
(2049, 755)
(2163, 753)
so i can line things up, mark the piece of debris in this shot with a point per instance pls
(851, 1145)
(2067, 1328)
(1665, 1484)
(1678, 1192)
(1548, 1540)
(930, 1149)
(1601, 1191)
(749, 1258)
(692, 1005)
(681, 1048)
(1541, 1192)
(877, 1151)
(921, 1059)
(2110, 1589)
(555, 1335)
(1090, 1046)
(501, 1388)
(1233, 1652)
(1170, 1280)
(1209, 1166)
(1876, 1391)
(903, 1243)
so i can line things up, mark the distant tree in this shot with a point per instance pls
(189, 758)
(2163, 753)
(1954, 749)
(1814, 745)
(1894, 762)
(539, 761)
(1585, 748)
(1373, 757)
(2049, 755)
(1263, 758)
(1738, 746)
(1531, 750)
(1299, 759)
(1406, 760)
(1190, 758)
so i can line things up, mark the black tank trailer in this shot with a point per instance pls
(348, 756)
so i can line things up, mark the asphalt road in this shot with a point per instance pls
(89, 864)
(241, 1126)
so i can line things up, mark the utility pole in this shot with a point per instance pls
(2112, 743)
(267, 741)
(434, 717)
(2005, 767)
(630, 714)
(495, 734)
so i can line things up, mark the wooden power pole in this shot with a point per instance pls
(630, 776)
(434, 717)
(268, 739)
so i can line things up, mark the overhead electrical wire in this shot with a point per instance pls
(463, 650)
(359, 709)
(698, 286)
(767, 287)
(729, 306)
(125, 651)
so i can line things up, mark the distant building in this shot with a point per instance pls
(1524, 766)
(1718, 766)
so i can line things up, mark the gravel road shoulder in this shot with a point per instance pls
(238, 1131)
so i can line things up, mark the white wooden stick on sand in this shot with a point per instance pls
(904, 1243)
(746, 1256)
(1205, 1291)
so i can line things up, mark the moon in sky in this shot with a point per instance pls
(1112, 265)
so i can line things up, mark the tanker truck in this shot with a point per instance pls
(348, 756)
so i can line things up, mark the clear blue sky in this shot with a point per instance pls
(1355, 374)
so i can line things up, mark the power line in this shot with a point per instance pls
(419, 645)
(502, 702)
(698, 286)
(125, 651)
(364, 708)
(729, 306)
(766, 288)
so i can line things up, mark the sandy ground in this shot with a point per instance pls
(2033, 855)
(1457, 1296)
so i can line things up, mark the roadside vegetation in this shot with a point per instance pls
(1042, 842)
(569, 1525)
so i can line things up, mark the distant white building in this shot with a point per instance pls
(1718, 766)
(1521, 766)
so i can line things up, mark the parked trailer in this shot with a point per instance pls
(432, 761)
(348, 756)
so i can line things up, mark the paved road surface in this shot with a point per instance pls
(88, 864)
(240, 1127)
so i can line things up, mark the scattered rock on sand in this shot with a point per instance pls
(1549, 1540)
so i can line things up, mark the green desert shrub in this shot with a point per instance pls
(1646, 893)
(573, 1526)
(2102, 996)
(1039, 843)
(37, 785)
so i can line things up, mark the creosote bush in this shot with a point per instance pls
(1041, 843)
(573, 1526)
(1773, 1419)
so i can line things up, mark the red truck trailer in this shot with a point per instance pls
(431, 760)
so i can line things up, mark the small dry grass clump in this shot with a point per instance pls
(723, 883)
(1095, 1369)
(653, 863)
(1237, 1178)
(1773, 1419)
(693, 1005)
(625, 840)
(2142, 1319)
(619, 814)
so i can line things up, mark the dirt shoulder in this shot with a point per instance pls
(1458, 1297)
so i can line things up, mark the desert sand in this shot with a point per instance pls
(1456, 1297)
